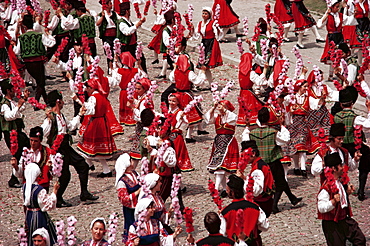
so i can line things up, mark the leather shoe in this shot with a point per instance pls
(190, 140)
(156, 61)
(300, 46)
(275, 210)
(297, 171)
(63, 204)
(202, 132)
(104, 175)
(320, 41)
(160, 77)
(296, 201)
(304, 174)
(361, 197)
(92, 168)
(15, 185)
(49, 77)
(240, 35)
(223, 194)
(88, 197)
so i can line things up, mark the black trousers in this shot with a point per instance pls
(37, 71)
(72, 158)
(58, 40)
(23, 141)
(336, 234)
(281, 184)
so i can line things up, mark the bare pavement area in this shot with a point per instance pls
(292, 226)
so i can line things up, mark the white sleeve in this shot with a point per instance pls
(321, 23)
(127, 30)
(165, 240)
(217, 31)
(37, 27)
(352, 73)
(365, 122)
(172, 76)
(366, 88)
(352, 164)
(263, 223)
(20, 173)
(90, 105)
(314, 103)
(196, 34)
(9, 115)
(74, 123)
(333, 95)
(317, 165)
(197, 79)
(46, 202)
(69, 23)
(223, 225)
(48, 40)
(259, 60)
(46, 126)
(282, 136)
(209, 117)
(115, 79)
(169, 157)
(324, 204)
(17, 48)
(257, 79)
(53, 23)
(160, 20)
(245, 134)
(259, 180)
(166, 38)
(7, 14)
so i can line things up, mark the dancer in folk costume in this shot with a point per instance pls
(107, 23)
(98, 229)
(225, 153)
(333, 20)
(37, 203)
(41, 237)
(7, 57)
(249, 104)
(179, 125)
(283, 11)
(302, 141)
(319, 115)
(210, 33)
(362, 16)
(228, 18)
(184, 78)
(140, 103)
(128, 188)
(97, 139)
(151, 230)
(336, 137)
(303, 20)
(334, 208)
(124, 75)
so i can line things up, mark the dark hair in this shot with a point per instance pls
(147, 117)
(273, 41)
(344, 47)
(184, 42)
(236, 185)
(6, 85)
(100, 221)
(245, 146)
(28, 21)
(263, 25)
(346, 104)
(263, 115)
(212, 222)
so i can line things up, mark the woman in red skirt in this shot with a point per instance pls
(283, 11)
(228, 18)
(303, 20)
(225, 150)
(210, 33)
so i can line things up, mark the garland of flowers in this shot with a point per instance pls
(13, 4)
(26, 156)
(154, 126)
(365, 46)
(215, 92)
(36, 6)
(298, 64)
(176, 182)
(46, 18)
(78, 84)
(249, 189)
(358, 136)
(257, 32)
(131, 88)
(71, 56)
(188, 216)
(94, 67)
(71, 230)
(17, 82)
(139, 50)
(345, 67)
(331, 180)
(217, 12)
(30, 10)
(13, 142)
(137, 10)
(264, 48)
(162, 149)
(61, 47)
(280, 33)
(244, 160)
(154, 3)
(180, 29)
(85, 45)
(57, 165)
(322, 137)
(21, 6)
(239, 43)
(337, 85)
(108, 51)
(268, 13)
(190, 11)
(146, 7)
(225, 91)
(36, 103)
(117, 47)
(337, 57)
(365, 65)
(149, 95)
(214, 193)
(54, 4)
(192, 103)
(275, 53)
(239, 221)
(112, 228)
(143, 173)
(202, 54)
(245, 26)
(318, 77)
(187, 21)
(141, 222)
(22, 236)
(61, 236)
(56, 144)
(359, 89)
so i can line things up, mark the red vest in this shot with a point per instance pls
(223, 128)
(330, 24)
(209, 34)
(44, 178)
(311, 93)
(323, 152)
(182, 80)
(302, 108)
(359, 13)
(127, 75)
(338, 213)
(268, 184)
(101, 105)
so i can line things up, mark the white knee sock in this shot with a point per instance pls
(105, 165)
(300, 39)
(316, 32)
(164, 67)
(209, 76)
(295, 161)
(220, 180)
(302, 160)
(286, 168)
(189, 132)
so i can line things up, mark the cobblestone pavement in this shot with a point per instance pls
(293, 226)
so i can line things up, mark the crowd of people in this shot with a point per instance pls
(285, 118)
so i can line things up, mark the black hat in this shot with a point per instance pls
(249, 144)
(263, 115)
(337, 129)
(6, 85)
(37, 132)
(345, 96)
(147, 117)
(28, 21)
(79, 5)
(354, 93)
(125, 5)
(332, 160)
(169, 15)
(53, 96)
(78, 41)
(344, 47)
(235, 182)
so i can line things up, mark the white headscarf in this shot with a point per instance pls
(122, 163)
(31, 173)
(151, 179)
(96, 219)
(209, 10)
(141, 206)
(43, 233)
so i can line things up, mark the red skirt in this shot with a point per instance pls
(194, 116)
(155, 44)
(182, 154)
(302, 18)
(254, 105)
(126, 114)
(97, 139)
(228, 18)
(282, 13)
(350, 36)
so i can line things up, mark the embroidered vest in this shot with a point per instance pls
(31, 45)
(59, 30)
(5, 125)
(54, 131)
(225, 128)
(265, 140)
(359, 13)
(126, 40)
(325, 151)
(330, 24)
(104, 24)
(347, 117)
(268, 185)
(87, 26)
